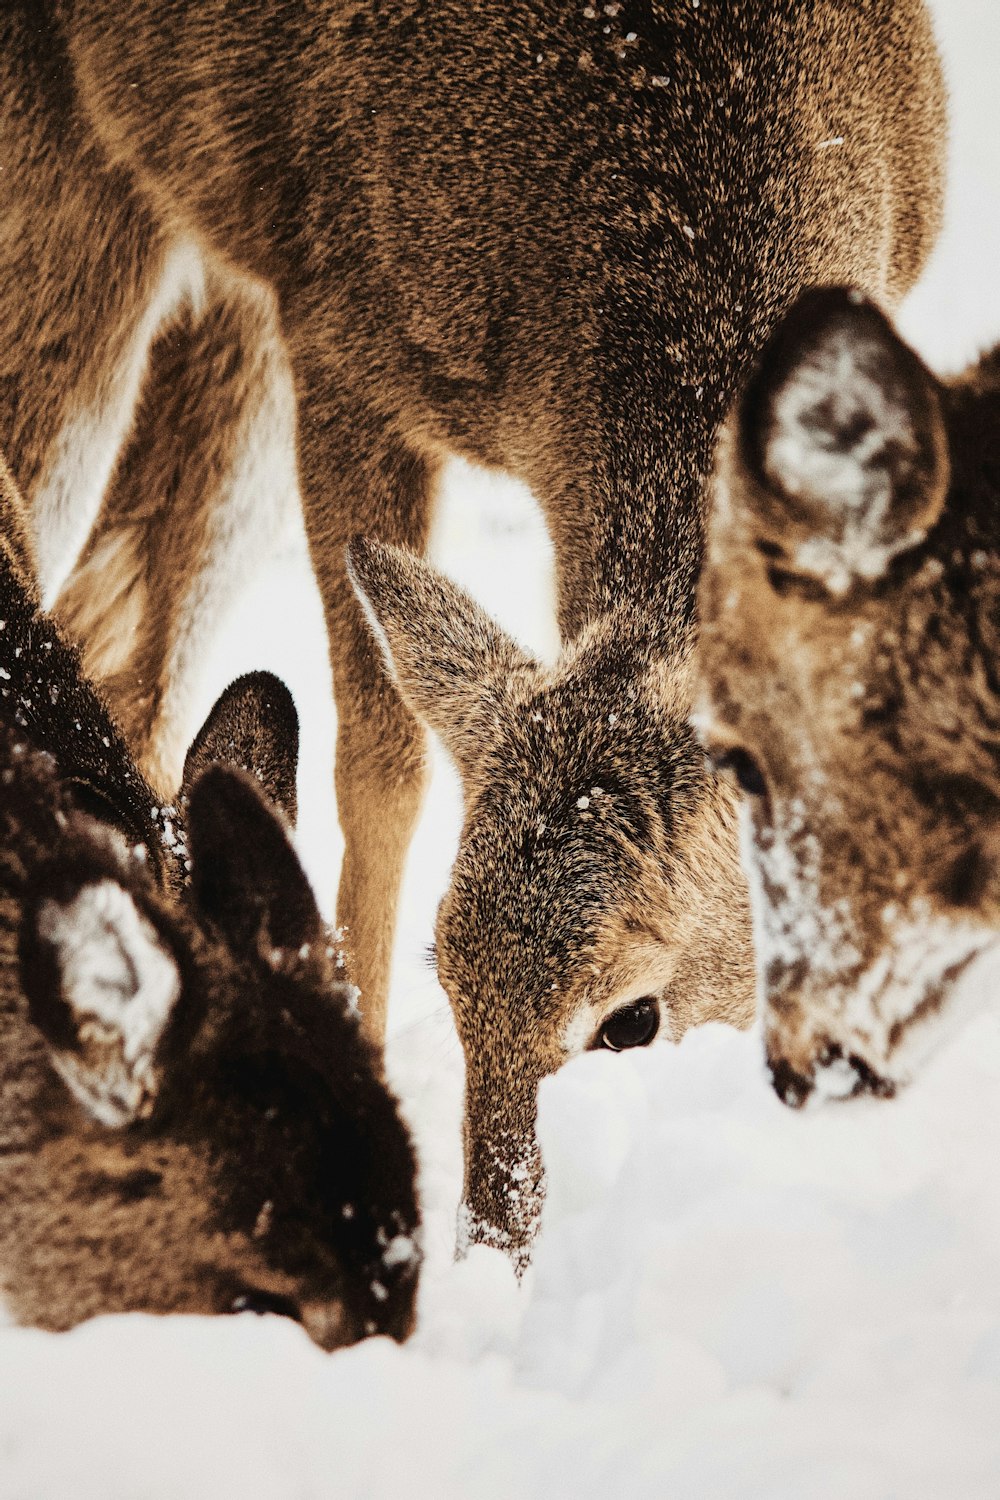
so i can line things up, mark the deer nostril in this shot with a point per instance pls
(792, 1088)
(965, 880)
(870, 1082)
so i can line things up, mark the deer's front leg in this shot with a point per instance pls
(359, 480)
(206, 492)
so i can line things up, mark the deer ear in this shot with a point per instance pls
(246, 877)
(444, 653)
(254, 727)
(841, 442)
(101, 983)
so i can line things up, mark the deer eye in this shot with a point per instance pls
(745, 771)
(634, 1025)
(261, 1302)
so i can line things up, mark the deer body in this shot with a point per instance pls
(547, 239)
(190, 1119)
(849, 648)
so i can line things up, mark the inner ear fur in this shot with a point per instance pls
(448, 659)
(101, 979)
(840, 448)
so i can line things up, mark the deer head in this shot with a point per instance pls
(847, 662)
(596, 900)
(208, 1129)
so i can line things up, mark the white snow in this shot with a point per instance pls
(728, 1298)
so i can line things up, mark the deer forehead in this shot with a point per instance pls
(789, 660)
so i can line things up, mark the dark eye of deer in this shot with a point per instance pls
(266, 1302)
(634, 1025)
(748, 774)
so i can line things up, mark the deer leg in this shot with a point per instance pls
(380, 759)
(205, 490)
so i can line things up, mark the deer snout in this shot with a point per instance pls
(826, 1072)
(506, 1215)
(504, 1192)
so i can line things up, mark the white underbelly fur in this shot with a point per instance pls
(83, 456)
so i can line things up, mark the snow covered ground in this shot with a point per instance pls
(728, 1299)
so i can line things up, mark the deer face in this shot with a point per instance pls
(596, 900)
(215, 1133)
(840, 686)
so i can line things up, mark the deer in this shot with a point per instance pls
(300, 260)
(847, 682)
(191, 1119)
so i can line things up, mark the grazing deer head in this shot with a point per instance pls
(190, 1117)
(848, 664)
(596, 900)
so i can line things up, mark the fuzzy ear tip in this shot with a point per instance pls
(268, 692)
(379, 572)
(263, 682)
(819, 303)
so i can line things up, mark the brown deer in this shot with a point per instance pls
(546, 238)
(190, 1117)
(848, 681)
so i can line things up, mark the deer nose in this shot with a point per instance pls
(792, 1088)
(328, 1325)
(840, 1075)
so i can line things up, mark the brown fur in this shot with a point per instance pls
(548, 240)
(861, 678)
(595, 865)
(251, 1155)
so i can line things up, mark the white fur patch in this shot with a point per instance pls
(580, 1029)
(121, 986)
(85, 450)
(875, 1008)
(853, 482)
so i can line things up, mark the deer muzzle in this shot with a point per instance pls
(504, 1180)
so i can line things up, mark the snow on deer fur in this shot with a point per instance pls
(190, 1117)
(728, 1300)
